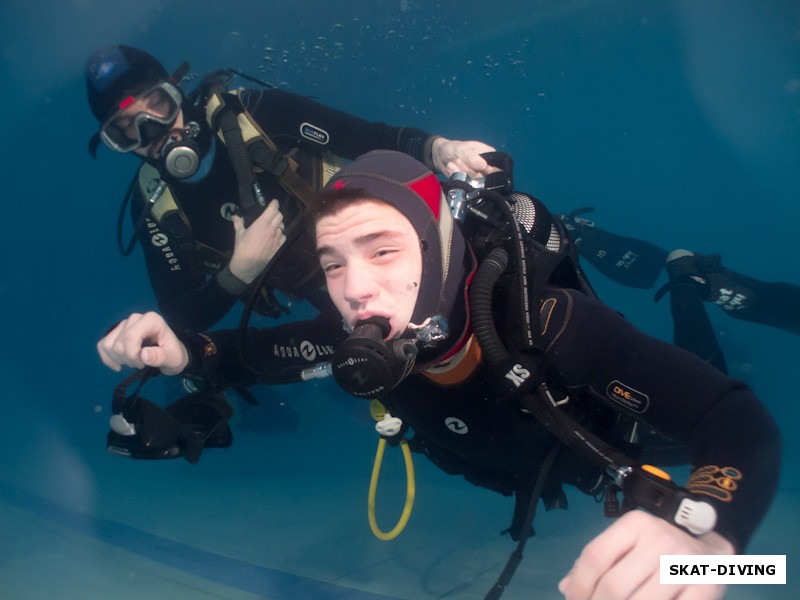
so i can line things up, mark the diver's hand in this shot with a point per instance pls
(452, 156)
(143, 341)
(255, 245)
(623, 562)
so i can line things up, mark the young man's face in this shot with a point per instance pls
(372, 260)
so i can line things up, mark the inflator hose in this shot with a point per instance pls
(544, 408)
(480, 303)
(577, 437)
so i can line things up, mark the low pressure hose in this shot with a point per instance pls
(601, 454)
(480, 303)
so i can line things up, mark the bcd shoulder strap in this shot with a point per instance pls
(165, 210)
(264, 152)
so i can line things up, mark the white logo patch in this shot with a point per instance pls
(456, 425)
(314, 133)
(227, 210)
(308, 351)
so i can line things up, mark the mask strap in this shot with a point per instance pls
(121, 402)
(94, 144)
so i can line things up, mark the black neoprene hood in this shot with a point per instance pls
(410, 187)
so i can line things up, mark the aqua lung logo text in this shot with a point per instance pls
(518, 375)
(314, 133)
(350, 361)
(456, 425)
(306, 350)
(160, 240)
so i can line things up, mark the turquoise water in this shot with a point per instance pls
(678, 121)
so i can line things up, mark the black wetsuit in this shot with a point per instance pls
(466, 429)
(187, 282)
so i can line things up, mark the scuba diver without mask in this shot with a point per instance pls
(397, 256)
(380, 351)
(405, 309)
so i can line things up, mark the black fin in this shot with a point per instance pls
(629, 261)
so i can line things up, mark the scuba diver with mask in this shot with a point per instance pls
(212, 160)
(478, 331)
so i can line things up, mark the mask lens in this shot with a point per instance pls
(115, 137)
(126, 131)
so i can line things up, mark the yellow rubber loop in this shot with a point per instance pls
(373, 488)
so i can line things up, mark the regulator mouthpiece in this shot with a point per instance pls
(366, 366)
(180, 154)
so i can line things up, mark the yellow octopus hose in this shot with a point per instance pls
(373, 487)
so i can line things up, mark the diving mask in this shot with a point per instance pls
(125, 131)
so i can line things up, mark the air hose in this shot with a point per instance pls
(480, 301)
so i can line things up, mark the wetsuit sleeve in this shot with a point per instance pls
(271, 355)
(186, 297)
(733, 441)
(314, 126)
